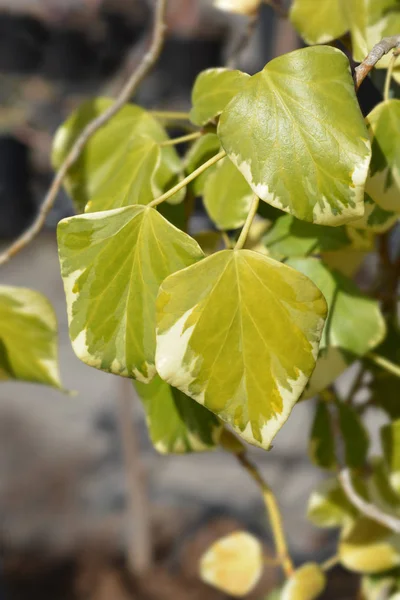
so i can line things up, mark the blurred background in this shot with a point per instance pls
(73, 525)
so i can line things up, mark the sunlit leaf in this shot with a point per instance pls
(294, 142)
(227, 196)
(370, 21)
(368, 547)
(355, 323)
(319, 22)
(108, 153)
(200, 152)
(390, 439)
(354, 435)
(291, 237)
(306, 583)
(383, 185)
(28, 337)
(321, 447)
(239, 333)
(177, 424)
(328, 506)
(212, 91)
(233, 564)
(112, 264)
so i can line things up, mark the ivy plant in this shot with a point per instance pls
(223, 331)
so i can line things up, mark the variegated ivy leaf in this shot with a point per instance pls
(321, 447)
(299, 138)
(355, 323)
(201, 150)
(390, 439)
(375, 218)
(177, 424)
(320, 22)
(291, 237)
(212, 91)
(133, 180)
(370, 21)
(107, 151)
(239, 333)
(227, 196)
(328, 506)
(368, 547)
(306, 583)
(241, 7)
(383, 184)
(112, 264)
(28, 337)
(233, 564)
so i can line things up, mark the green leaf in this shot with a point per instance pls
(381, 491)
(318, 23)
(306, 583)
(212, 91)
(354, 435)
(233, 564)
(132, 181)
(383, 185)
(355, 323)
(390, 439)
(384, 386)
(112, 264)
(321, 448)
(177, 424)
(227, 196)
(200, 152)
(328, 506)
(297, 134)
(291, 237)
(108, 150)
(239, 333)
(368, 547)
(378, 587)
(28, 337)
(375, 218)
(371, 21)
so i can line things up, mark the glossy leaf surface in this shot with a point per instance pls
(289, 135)
(233, 563)
(177, 424)
(320, 22)
(355, 322)
(212, 91)
(227, 196)
(220, 339)
(112, 264)
(28, 337)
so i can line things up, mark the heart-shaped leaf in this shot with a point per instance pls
(112, 264)
(239, 333)
(297, 134)
(177, 424)
(28, 337)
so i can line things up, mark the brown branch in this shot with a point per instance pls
(366, 508)
(377, 52)
(125, 95)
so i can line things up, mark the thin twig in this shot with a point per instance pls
(183, 139)
(249, 220)
(278, 7)
(243, 42)
(273, 512)
(170, 115)
(366, 508)
(330, 563)
(188, 179)
(377, 52)
(125, 95)
(384, 363)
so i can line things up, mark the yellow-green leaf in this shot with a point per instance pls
(233, 564)
(177, 424)
(201, 151)
(297, 134)
(306, 583)
(227, 196)
(239, 333)
(112, 264)
(212, 91)
(328, 506)
(390, 439)
(375, 218)
(28, 337)
(319, 22)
